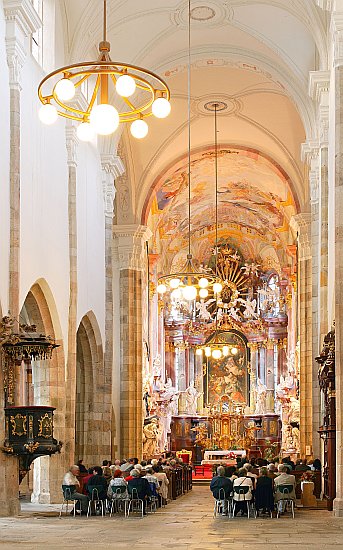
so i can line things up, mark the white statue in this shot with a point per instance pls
(171, 394)
(250, 308)
(150, 437)
(156, 366)
(233, 312)
(294, 410)
(192, 395)
(261, 398)
(202, 310)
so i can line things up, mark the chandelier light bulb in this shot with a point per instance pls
(48, 114)
(174, 283)
(216, 354)
(217, 288)
(161, 107)
(139, 128)
(203, 293)
(208, 351)
(125, 85)
(198, 351)
(225, 351)
(85, 131)
(176, 294)
(65, 89)
(203, 282)
(161, 289)
(234, 351)
(189, 292)
(104, 119)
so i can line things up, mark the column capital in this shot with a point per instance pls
(16, 56)
(319, 87)
(72, 142)
(301, 225)
(310, 154)
(325, 5)
(112, 167)
(131, 241)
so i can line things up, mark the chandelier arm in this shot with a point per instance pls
(94, 95)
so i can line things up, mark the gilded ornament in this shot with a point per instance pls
(18, 423)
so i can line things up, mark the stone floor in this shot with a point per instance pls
(186, 524)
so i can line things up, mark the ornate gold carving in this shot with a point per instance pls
(45, 426)
(31, 447)
(18, 423)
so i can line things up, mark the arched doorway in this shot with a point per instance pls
(92, 424)
(42, 383)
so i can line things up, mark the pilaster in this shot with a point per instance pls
(301, 225)
(131, 259)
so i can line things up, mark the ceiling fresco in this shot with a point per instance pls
(255, 205)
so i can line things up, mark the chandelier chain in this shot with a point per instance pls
(189, 126)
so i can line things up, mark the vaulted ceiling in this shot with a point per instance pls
(254, 56)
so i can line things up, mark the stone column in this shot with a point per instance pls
(132, 260)
(112, 167)
(69, 445)
(301, 225)
(337, 28)
(311, 153)
(21, 21)
(270, 375)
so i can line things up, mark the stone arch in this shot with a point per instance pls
(92, 424)
(39, 308)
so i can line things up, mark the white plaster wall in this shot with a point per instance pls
(4, 169)
(44, 199)
(90, 236)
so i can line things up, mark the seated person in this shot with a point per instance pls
(82, 468)
(106, 470)
(284, 479)
(141, 485)
(271, 468)
(231, 472)
(97, 481)
(70, 484)
(301, 465)
(163, 482)
(117, 482)
(86, 479)
(221, 482)
(248, 469)
(153, 481)
(243, 480)
(264, 496)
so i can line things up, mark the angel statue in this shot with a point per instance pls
(250, 307)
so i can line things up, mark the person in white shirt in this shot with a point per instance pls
(71, 482)
(243, 480)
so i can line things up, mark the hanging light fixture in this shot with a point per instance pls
(142, 92)
(216, 345)
(188, 282)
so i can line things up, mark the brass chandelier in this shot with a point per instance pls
(96, 115)
(189, 284)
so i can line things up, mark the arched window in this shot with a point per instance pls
(37, 37)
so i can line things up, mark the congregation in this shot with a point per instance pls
(119, 481)
(264, 486)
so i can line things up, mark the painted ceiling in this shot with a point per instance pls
(255, 204)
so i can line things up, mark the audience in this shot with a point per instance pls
(284, 479)
(117, 488)
(97, 481)
(141, 485)
(163, 482)
(71, 483)
(241, 500)
(264, 496)
(221, 486)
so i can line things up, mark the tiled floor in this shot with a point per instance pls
(186, 524)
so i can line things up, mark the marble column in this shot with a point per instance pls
(253, 346)
(270, 376)
(112, 167)
(130, 254)
(301, 225)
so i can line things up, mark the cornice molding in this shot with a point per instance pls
(22, 14)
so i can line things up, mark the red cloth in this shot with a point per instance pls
(85, 481)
